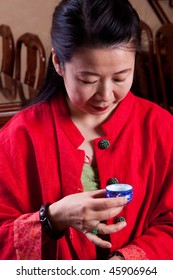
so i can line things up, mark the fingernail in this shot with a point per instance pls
(109, 246)
(123, 225)
(124, 200)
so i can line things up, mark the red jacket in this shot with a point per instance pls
(40, 162)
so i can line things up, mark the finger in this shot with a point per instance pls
(105, 214)
(108, 229)
(98, 241)
(106, 203)
(96, 194)
(99, 194)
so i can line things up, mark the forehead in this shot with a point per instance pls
(102, 58)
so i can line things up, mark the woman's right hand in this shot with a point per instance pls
(85, 212)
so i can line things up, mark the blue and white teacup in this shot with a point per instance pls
(115, 190)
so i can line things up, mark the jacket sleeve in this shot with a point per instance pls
(156, 241)
(20, 230)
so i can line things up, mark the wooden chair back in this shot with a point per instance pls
(144, 76)
(36, 60)
(164, 55)
(8, 53)
(159, 11)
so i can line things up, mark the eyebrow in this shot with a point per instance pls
(95, 74)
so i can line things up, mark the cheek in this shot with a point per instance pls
(77, 97)
(73, 92)
(127, 85)
(123, 89)
(80, 94)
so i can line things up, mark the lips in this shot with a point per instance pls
(100, 109)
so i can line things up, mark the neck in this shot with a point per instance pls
(86, 120)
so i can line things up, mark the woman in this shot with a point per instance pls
(85, 131)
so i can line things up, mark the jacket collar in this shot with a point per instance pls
(111, 127)
(120, 116)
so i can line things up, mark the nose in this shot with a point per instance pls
(105, 92)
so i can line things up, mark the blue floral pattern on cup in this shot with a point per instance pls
(115, 190)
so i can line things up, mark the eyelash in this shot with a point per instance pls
(85, 82)
(118, 81)
(91, 83)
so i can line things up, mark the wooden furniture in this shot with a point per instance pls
(14, 96)
(164, 54)
(157, 8)
(7, 65)
(144, 84)
(36, 60)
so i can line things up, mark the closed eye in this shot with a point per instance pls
(88, 82)
(119, 80)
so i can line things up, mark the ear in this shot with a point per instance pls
(56, 63)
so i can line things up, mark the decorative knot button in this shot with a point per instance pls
(112, 181)
(120, 219)
(104, 144)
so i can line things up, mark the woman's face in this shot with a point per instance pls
(96, 80)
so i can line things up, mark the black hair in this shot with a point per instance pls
(88, 23)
